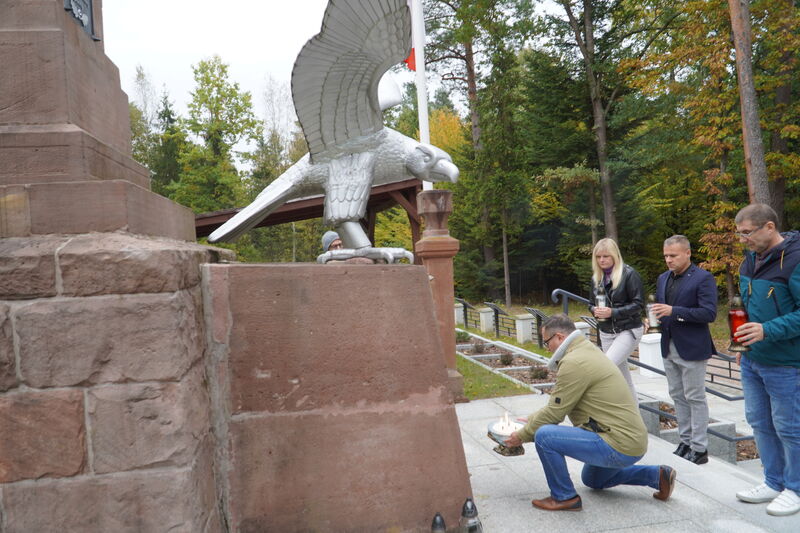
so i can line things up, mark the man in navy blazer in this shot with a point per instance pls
(686, 297)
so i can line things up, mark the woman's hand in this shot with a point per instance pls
(602, 312)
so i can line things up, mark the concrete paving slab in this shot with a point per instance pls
(480, 409)
(703, 501)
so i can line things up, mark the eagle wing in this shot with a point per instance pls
(336, 75)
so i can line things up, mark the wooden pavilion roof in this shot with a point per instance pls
(403, 193)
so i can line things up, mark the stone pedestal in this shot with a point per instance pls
(65, 133)
(332, 409)
(437, 249)
(104, 411)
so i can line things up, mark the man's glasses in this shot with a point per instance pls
(747, 234)
(547, 342)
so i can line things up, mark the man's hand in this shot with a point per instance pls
(602, 312)
(513, 441)
(662, 310)
(749, 333)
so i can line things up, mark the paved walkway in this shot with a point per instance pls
(704, 498)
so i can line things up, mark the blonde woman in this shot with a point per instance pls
(620, 320)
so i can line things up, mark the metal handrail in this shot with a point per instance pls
(566, 296)
(708, 389)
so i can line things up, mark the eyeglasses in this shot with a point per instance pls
(547, 342)
(748, 234)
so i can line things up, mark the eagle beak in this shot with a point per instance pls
(444, 170)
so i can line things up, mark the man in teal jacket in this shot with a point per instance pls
(608, 434)
(769, 281)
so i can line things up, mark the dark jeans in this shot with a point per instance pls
(604, 466)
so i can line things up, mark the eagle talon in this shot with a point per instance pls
(390, 255)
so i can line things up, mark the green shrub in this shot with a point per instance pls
(539, 372)
(462, 337)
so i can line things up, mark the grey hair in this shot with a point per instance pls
(559, 323)
(679, 240)
(758, 214)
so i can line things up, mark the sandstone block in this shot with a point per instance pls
(120, 263)
(8, 373)
(67, 342)
(46, 153)
(140, 426)
(348, 471)
(27, 267)
(106, 206)
(32, 92)
(125, 503)
(366, 340)
(42, 435)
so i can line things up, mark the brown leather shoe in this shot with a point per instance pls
(666, 483)
(549, 504)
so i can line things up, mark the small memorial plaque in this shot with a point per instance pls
(82, 12)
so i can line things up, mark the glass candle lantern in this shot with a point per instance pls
(601, 299)
(737, 316)
(654, 324)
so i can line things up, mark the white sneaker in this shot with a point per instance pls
(787, 502)
(759, 494)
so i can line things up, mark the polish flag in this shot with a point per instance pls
(411, 60)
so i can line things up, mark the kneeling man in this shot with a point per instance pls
(609, 435)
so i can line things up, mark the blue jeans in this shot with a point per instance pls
(604, 466)
(772, 408)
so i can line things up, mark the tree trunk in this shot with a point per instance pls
(730, 284)
(489, 257)
(472, 95)
(592, 214)
(783, 99)
(585, 40)
(601, 138)
(506, 275)
(754, 163)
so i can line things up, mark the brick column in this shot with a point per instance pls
(437, 249)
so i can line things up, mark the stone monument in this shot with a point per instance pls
(65, 145)
(145, 388)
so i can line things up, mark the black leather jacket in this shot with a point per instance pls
(626, 302)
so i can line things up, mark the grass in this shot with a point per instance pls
(479, 383)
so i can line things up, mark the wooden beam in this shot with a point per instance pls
(310, 207)
(410, 208)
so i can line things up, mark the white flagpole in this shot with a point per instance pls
(418, 41)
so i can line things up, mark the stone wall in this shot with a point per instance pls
(104, 408)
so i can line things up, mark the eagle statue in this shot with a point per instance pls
(335, 92)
